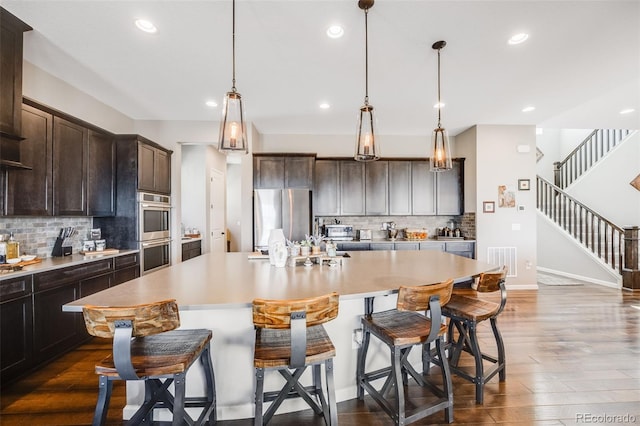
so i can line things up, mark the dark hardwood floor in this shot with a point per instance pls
(573, 354)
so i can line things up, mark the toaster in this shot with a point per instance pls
(364, 234)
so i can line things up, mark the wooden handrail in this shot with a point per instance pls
(601, 236)
(595, 146)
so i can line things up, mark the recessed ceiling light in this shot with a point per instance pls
(211, 104)
(439, 105)
(528, 109)
(518, 38)
(324, 105)
(627, 111)
(146, 26)
(335, 31)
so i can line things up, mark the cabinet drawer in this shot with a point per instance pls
(353, 246)
(94, 285)
(407, 246)
(126, 261)
(15, 287)
(58, 277)
(432, 245)
(381, 246)
(127, 274)
(459, 246)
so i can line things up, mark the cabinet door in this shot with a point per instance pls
(377, 188)
(101, 169)
(95, 284)
(423, 189)
(69, 168)
(55, 331)
(326, 194)
(381, 246)
(465, 249)
(16, 329)
(35, 152)
(432, 245)
(407, 246)
(352, 188)
(162, 171)
(268, 172)
(11, 30)
(146, 167)
(298, 172)
(400, 188)
(450, 190)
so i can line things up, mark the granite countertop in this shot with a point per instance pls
(186, 239)
(51, 263)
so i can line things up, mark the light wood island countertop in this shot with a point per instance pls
(231, 280)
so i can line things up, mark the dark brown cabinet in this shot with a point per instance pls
(16, 327)
(11, 29)
(191, 249)
(352, 188)
(279, 172)
(101, 174)
(400, 188)
(70, 168)
(377, 188)
(34, 327)
(423, 189)
(154, 168)
(326, 191)
(450, 190)
(37, 127)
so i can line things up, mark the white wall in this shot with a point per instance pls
(499, 163)
(194, 194)
(465, 146)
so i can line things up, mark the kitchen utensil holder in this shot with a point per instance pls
(61, 248)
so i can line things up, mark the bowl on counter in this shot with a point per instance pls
(414, 234)
(14, 261)
(28, 257)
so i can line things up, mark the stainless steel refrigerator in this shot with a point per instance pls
(289, 209)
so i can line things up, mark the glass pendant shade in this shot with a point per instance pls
(366, 145)
(440, 159)
(232, 128)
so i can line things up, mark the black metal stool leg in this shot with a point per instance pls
(447, 387)
(477, 355)
(501, 355)
(362, 359)
(257, 420)
(104, 395)
(331, 400)
(179, 383)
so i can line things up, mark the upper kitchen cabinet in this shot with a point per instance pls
(11, 29)
(154, 166)
(450, 189)
(70, 143)
(37, 129)
(352, 188)
(399, 188)
(377, 188)
(278, 172)
(423, 189)
(71, 167)
(326, 192)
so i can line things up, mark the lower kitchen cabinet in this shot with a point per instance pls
(16, 327)
(34, 328)
(381, 246)
(461, 248)
(191, 249)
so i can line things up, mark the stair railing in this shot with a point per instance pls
(601, 236)
(590, 151)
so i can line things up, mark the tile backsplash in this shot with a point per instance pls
(466, 223)
(37, 235)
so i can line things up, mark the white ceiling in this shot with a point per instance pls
(579, 68)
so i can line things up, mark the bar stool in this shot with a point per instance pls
(146, 347)
(290, 336)
(466, 312)
(401, 329)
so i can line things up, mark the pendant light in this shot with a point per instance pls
(233, 131)
(440, 159)
(366, 144)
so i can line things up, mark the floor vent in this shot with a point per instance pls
(504, 256)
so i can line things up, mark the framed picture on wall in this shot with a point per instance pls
(488, 207)
(524, 184)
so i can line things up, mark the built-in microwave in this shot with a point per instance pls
(154, 212)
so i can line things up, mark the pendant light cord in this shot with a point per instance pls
(439, 102)
(233, 45)
(366, 57)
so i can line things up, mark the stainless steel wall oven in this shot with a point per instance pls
(154, 231)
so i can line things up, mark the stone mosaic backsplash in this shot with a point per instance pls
(37, 235)
(466, 223)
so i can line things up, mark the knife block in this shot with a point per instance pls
(60, 249)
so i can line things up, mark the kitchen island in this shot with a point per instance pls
(215, 291)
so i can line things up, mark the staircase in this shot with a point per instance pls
(614, 246)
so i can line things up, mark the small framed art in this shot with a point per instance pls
(488, 207)
(524, 184)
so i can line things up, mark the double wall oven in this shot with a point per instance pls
(154, 230)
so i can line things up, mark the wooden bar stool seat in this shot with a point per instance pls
(466, 311)
(402, 329)
(289, 338)
(147, 347)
